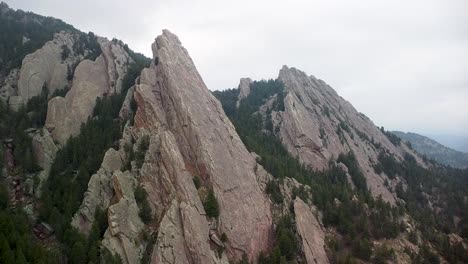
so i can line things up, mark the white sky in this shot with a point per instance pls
(402, 63)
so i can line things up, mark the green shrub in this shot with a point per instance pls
(141, 197)
(273, 190)
(211, 205)
(197, 182)
(141, 152)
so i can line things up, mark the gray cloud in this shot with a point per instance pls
(402, 63)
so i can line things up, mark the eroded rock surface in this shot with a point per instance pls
(244, 89)
(311, 233)
(92, 79)
(65, 114)
(45, 66)
(99, 192)
(175, 105)
(125, 226)
(44, 150)
(318, 125)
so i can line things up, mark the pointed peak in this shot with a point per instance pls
(4, 7)
(166, 40)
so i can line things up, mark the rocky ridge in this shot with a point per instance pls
(434, 150)
(188, 136)
(317, 125)
(44, 67)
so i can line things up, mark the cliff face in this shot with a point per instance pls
(91, 80)
(188, 135)
(317, 125)
(45, 66)
(177, 109)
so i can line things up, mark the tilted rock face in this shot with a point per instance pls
(244, 89)
(183, 232)
(45, 66)
(44, 151)
(99, 192)
(117, 61)
(113, 191)
(126, 111)
(311, 233)
(177, 109)
(91, 80)
(125, 226)
(310, 128)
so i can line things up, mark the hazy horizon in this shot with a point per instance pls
(402, 64)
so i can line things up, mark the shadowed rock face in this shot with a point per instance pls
(177, 109)
(310, 129)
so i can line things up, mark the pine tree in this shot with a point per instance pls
(211, 205)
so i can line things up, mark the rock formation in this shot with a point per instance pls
(9, 87)
(125, 226)
(311, 232)
(45, 66)
(92, 80)
(44, 151)
(191, 135)
(99, 192)
(244, 89)
(317, 125)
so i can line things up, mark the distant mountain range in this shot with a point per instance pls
(459, 143)
(434, 150)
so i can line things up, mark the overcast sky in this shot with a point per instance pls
(402, 63)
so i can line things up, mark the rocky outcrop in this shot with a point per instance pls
(125, 226)
(117, 61)
(183, 231)
(244, 89)
(99, 192)
(311, 233)
(126, 112)
(44, 148)
(9, 86)
(191, 136)
(45, 66)
(92, 80)
(44, 151)
(318, 125)
(65, 114)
